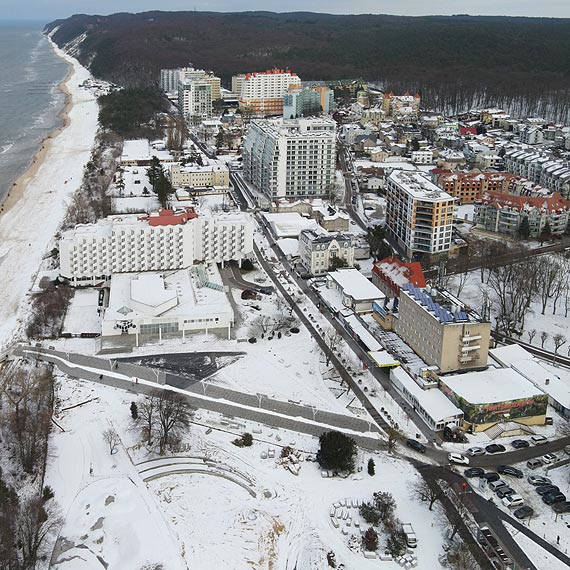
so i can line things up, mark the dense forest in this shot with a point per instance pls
(456, 62)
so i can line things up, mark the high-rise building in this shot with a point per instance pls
(167, 239)
(195, 100)
(304, 101)
(237, 82)
(262, 93)
(419, 215)
(293, 158)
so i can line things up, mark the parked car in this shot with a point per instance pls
(539, 480)
(417, 445)
(562, 507)
(549, 458)
(495, 448)
(538, 439)
(520, 444)
(504, 491)
(523, 512)
(474, 451)
(544, 489)
(494, 485)
(458, 458)
(554, 497)
(473, 472)
(508, 470)
(490, 476)
(512, 501)
(534, 463)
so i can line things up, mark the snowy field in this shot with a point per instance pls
(200, 521)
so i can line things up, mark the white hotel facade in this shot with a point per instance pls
(165, 240)
(291, 158)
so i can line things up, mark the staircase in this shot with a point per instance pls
(507, 429)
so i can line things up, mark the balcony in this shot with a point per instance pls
(470, 348)
(470, 338)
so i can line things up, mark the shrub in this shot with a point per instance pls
(134, 411)
(370, 539)
(396, 543)
(369, 514)
(337, 451)
(371, 470)
(47, 493)
(246, 440)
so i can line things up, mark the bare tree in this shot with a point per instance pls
(425, 492)
(173, 416)
(559, 340)
(333, 339)
(461, 280)
(111, 439)
(531, 334)
(148, 415)
(548, 279)
(460, 558)
(543, 338)
(454, 517)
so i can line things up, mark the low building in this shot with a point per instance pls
(353, 290)
(495, 395)
(442, 331)
(391, 274)
(283, 225)
(159, 305)
(504, 213)
(140, 152)
(468, 187)
(422, 156)
(433, 407)
(195, 176)
(406, 105)
(319, 251)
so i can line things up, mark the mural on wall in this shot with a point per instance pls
(499, 411)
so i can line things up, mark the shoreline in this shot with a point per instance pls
(18, 186)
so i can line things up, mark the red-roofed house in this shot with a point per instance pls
(468, 132)
(503, 213)
(391, 274)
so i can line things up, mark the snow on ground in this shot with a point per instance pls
(27, 229)
(82, 314)
(199, 521)
(540, 557)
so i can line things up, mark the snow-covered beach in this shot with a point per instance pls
(36, 204)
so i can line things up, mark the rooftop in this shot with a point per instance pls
(420, 187)
(355, 285)
(399, 272)
(490, 386)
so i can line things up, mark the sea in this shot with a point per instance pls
(30, 101)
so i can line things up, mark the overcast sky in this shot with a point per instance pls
(52, 9)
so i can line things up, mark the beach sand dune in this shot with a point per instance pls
(36, 204)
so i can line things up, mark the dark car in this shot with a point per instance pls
(495, 448)
(414, 444)
(544, 489)
(491, 476)
(474, 472)
(523, 512)
(508, 470)
(561, 507)
(504, 491)
(554, 497)
(520, 444)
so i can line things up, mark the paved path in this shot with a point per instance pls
(232, 404)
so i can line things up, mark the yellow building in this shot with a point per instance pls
(199, 176)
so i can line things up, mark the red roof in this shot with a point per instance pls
(464, 131)
(551, 204)
(396, 273)
(170, 217)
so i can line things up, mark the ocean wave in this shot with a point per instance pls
(6, 147)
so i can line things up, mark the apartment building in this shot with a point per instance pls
(442, 330)
(303, 101)
(291, 158)
(530, 134)
(170, 79)
(195, 100)
(195, 176)
(164, 240)
(422, 156)
(318, 251)
(262, 92)
(237, 83)
(468, 187)
(419, 215)
(401, 105)
(504, 213)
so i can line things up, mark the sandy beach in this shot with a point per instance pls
(36, 204)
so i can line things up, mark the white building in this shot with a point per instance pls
(419, 215)
(92, 253)
(195, 99)
(154, 305)
(319, 250)
(170, 79)
(422, 156)
(354, 291)
(195, 176)
(262, 93)
(291, 158)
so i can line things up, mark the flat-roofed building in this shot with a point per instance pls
(262, 92)
(419, 215)
(196, 176)
(442, 330)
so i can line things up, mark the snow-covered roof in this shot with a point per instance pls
(355, 285)
(289, 224)
(491, 386)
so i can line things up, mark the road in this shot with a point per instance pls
(348, 176)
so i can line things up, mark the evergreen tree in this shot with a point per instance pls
(524, 228)
(371, 469)
(220, 138)
(134, 411)
(415, 144)
(154, 172)
(337, 451)
(370, 539)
